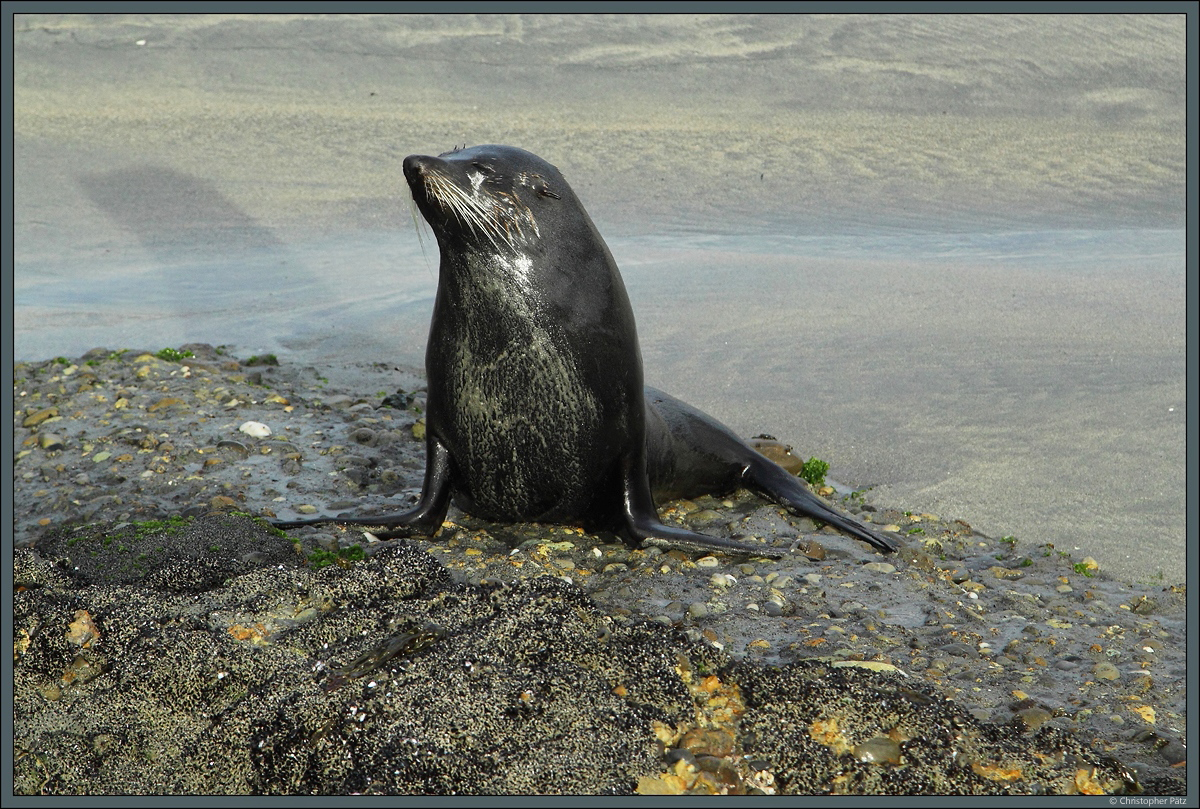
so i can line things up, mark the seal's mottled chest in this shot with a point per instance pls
(515, 411)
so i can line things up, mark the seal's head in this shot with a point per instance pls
(494, 197)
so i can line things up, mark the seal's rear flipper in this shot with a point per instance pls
(425, 519)
(691, 452)
(778, 484)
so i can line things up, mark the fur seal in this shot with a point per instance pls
(536, 410)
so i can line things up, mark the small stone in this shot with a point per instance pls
(1034, 717)
(37, 418)
(1145, 606)
(164, 403)
(1106, 671)
(668, 784)
(707, 741)
(255, 429)
(82, 630)
(1141, 682)
(707, 561)
(878, 750)
(880, 567)
(1147, 713)
(365, 436)
(50, 442)
(869, 665)
(812, 549)
(1173, 752)
(235, 448)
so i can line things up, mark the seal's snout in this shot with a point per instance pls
(415, 165)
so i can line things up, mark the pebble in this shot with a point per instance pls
(706, 741)
(1174, 752)
(1034, 717)
(50, 442)
(878, 750)
(255, 429)
(34, 419)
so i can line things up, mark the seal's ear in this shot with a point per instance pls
(537, 184)
(543, 189)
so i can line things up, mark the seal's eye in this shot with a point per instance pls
(483, 168)
(543, 190)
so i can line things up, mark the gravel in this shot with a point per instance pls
(136, 481)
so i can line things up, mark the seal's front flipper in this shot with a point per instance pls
(778, 484)
(425, 519)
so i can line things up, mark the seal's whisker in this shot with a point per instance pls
(494, 217)
(419, 226)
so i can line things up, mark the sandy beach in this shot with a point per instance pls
(945, 254)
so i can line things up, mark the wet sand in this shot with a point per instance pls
(944, 254)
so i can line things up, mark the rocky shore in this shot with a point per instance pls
(168, 642)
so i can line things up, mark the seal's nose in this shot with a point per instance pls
(415, 166)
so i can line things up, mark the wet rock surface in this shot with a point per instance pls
(168, 642)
